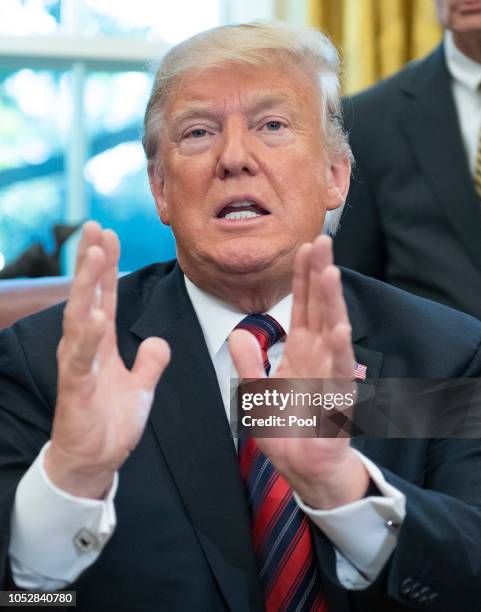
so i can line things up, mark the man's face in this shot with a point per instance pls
(244, 178)
(460, 15)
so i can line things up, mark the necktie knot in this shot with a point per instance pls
(264, 327)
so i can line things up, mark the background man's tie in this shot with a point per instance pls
(280, 530)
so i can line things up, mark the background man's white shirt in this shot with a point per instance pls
(465, 83)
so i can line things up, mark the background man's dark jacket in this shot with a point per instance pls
(183, 541)
(413, 217)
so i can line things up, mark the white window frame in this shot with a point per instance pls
(79, 54)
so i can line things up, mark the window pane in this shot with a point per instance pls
(33, 131)
(35, 112)
(28, 211)
(19, 17)
(116, 172)
(171, 21)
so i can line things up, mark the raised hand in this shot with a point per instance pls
(325, 472)
(102, 407)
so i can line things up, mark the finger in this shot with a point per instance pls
(246, 354)
(324, 256)
(300, 287)
(342, 354)
(84, 284)
(91, 235)
(333, 297)
(84, 351)
(337, 321)
(108, 280)
(152, 359)
(82, 295)
(320, 257)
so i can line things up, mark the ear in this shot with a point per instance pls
(338, 178)
(157, 187)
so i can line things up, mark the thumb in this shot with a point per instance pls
(152, 359)
(246, 354)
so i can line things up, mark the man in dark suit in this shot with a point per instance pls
(243, 173)
(414, 209)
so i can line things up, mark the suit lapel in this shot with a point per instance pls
(372, 359)
(431, 126)
(189, 421)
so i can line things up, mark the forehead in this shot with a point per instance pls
(242, 87)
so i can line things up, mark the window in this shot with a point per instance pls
(73, 89)
(33, 135)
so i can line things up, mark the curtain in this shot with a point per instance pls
(376, 37)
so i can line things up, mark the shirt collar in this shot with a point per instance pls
(463, 69)
(217, 318)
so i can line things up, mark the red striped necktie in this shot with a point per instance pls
(280, 530)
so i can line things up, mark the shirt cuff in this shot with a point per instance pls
(364, 532)
(56, 535)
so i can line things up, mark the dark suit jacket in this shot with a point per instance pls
(183, 539)
(413, 216)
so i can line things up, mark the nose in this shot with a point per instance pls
(236, 156)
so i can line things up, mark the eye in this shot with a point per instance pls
(196, 133)
(274, 125)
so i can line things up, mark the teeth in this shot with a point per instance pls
(239, 204)
(243, 214)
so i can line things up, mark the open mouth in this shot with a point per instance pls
(236, 211)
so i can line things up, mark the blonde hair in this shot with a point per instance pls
(256, 44)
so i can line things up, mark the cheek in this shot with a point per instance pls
(188, 176)
(309, 182)
(306, 161)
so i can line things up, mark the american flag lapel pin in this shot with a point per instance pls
(360, 371)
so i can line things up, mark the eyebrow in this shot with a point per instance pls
(194, 110)
(261, 102)
(257, 104)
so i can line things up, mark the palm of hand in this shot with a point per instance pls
(107, 408)
(102, 407)
(318, 346)
(306, 356)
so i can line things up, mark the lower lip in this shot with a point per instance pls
(235, 224)
(469, 7)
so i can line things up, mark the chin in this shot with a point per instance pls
(247, 261)
(244, 265)
(467, 23)
(238, 259)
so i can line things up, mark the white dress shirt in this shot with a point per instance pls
(42, 513)
(466, 81)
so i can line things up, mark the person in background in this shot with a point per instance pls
(413, 217)
(119, 475)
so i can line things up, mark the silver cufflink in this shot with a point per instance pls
(392, 526)
(85, 541)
